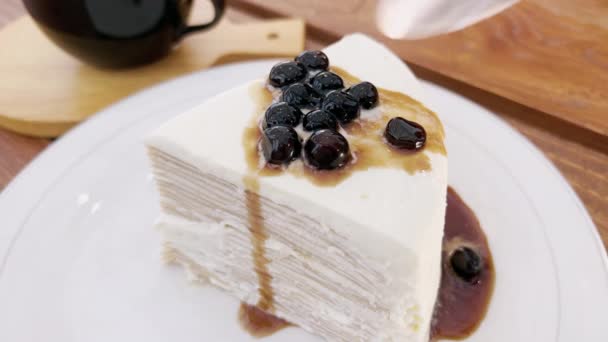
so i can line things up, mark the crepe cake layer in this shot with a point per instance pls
(356, 261)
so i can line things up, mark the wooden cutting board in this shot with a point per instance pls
(550, 55)
(44, 92)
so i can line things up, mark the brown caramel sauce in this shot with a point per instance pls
(258, 239)
(460, 306)
(258, 323)
(365, 137)
(256, 224)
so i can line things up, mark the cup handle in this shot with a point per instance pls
(218, 9)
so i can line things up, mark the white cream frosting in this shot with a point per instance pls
(392, 218)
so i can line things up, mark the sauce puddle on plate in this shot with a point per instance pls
(462, 305)
(258, 323)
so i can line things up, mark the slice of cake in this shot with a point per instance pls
(317, 194)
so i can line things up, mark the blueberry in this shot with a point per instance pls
(280, 145)
(405, 134)
(342, 105)
(327, 149)
(366, 93)
(326, 81)
(313, 60)
(282, 114)
(286, 73)
(300, 95)
(466, 263)
(319, 119)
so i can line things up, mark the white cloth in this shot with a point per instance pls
(415, 19)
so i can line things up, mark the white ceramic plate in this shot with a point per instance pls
(79, 260)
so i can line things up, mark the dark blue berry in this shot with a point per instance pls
(300, 95)
(280, 145)
(286, 73)
(366, 93)
(326, 81)
(342, 105)
(319, 119)
(327, 150)
(405, 134)
(466, 263)
(313, 60)
(282, 114)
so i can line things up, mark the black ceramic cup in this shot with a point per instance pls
(117, 33)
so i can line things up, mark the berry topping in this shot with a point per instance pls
(280, 145)
(405, 134)
(313, 60)
(327, 150)
(366, 93)
(286, 73)
(326, 81)
(282, 114)
(300, 95)
(319, 119)
(342, 105)
(466, 263)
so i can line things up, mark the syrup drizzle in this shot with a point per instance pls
(256, 225)
(365, 137)
(258, 239)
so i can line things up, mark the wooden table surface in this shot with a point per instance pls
(581, 155)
